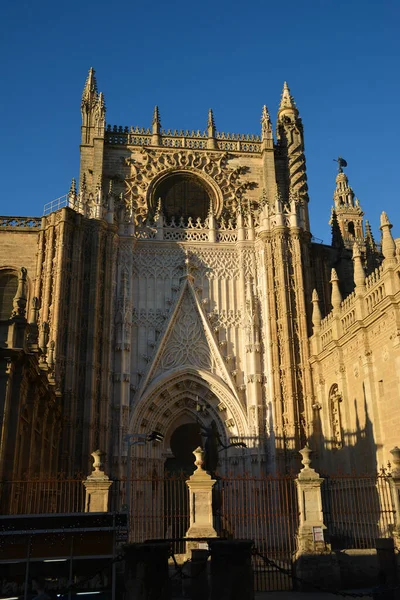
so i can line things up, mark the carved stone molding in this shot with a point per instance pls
(226, 182)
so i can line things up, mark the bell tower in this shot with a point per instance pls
(347, 210)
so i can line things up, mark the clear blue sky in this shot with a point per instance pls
(341, 60)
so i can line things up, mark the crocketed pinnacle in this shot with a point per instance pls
(156, 119)
(210, 124)
(89, 94)
(287, 100)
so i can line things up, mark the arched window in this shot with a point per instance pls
(350, 228)
(183, 195)
(335, 399)
(8, 289)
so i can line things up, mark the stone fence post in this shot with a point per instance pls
(314, 561)
(200, 486)
(97, 485)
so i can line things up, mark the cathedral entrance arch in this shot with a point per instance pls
(172, 400)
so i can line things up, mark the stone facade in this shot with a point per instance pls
(180, 273)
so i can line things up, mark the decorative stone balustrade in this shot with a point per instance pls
(20, 223)
(141, 136)
(347, 315)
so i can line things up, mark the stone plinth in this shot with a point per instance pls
(314, 561)
(231, 570)
(97, 486)
(200, 486)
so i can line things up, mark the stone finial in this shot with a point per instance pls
(98, 461)
(395, 452)
(199, 456)
(211, 123)
(388, 244)
(316, 313)
(156, 123)
(359, 274)
(19, 301)
(307, 472)
(336, 296)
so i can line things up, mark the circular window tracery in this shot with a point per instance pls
(183, 195)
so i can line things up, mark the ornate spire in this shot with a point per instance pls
(89, 94)
(287, 100)
(211, 131)
(211, 123)
(266, 125)
(156, 124)
(156, 128)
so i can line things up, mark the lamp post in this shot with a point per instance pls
(136, 439)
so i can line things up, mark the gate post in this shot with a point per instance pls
(97, 485)
(314, 561)
(200, 486)
(394, 482)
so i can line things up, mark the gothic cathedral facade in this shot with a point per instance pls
(179, 284)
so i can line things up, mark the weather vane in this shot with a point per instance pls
(341, 163)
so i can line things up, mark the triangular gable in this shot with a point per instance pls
(187, 340)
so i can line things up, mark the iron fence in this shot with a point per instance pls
(263, 509)
(41, 496)
(357, 509)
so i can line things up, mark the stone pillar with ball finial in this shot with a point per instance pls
(97, 485)
(200, 486)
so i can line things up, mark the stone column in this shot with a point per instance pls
(97, 486)
(200, 486)
(314, 561)
(231, 570)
